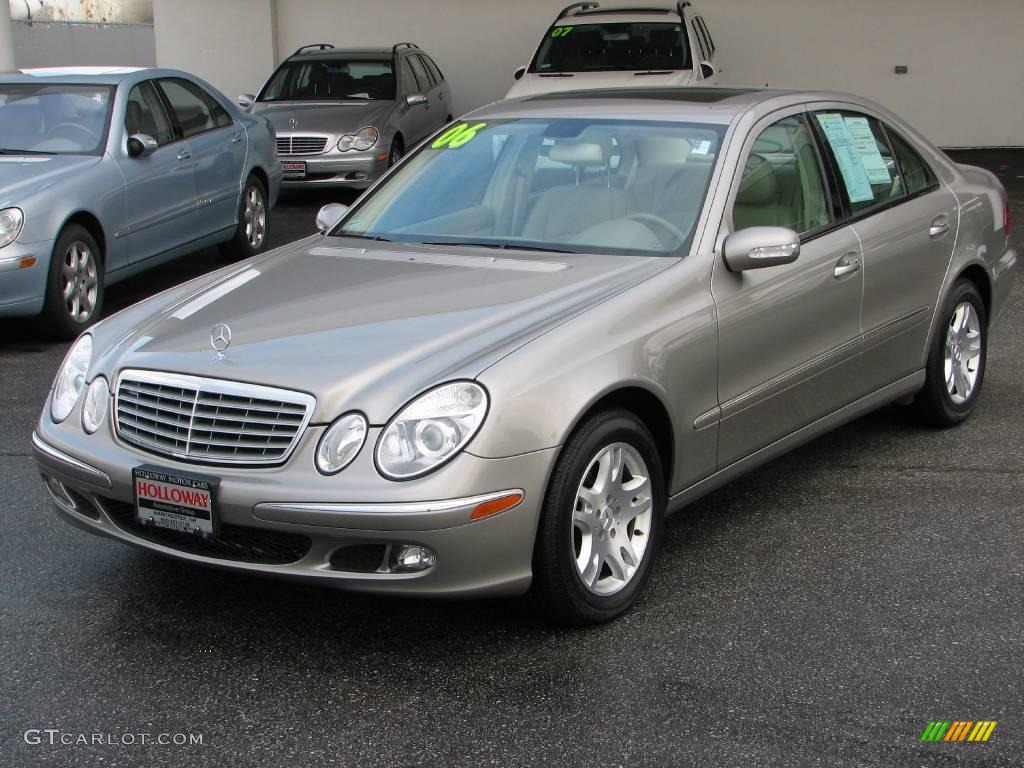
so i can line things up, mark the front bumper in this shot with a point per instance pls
(338, 169)
(294, 513)
(23, 271)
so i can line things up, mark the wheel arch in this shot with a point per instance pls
(980, 277)
(260, 174)
(92, 225)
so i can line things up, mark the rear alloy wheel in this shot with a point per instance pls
(253, 220)
(74, 291)
(956, 362)
(602, 520)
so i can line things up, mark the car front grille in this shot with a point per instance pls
(238, 543)
(301, 145)
(209, 421)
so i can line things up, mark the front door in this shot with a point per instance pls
(788, 334)
(160, 186)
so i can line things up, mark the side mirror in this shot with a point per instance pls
(757, 247)
(246, 100)
(140, 144)
(518, 74)
(328, 216)
(707, 70)
(415, 99)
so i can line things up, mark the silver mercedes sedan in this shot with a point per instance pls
(557, 321)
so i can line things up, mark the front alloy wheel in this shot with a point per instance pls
(601, 522)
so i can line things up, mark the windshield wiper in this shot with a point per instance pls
(6, 151)
(499, 246)
(375, 238)
(558, 74)
(653, 72)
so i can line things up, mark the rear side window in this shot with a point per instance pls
(434, 71)
(705, 53)
(868, 171)
(188, 102)
(426, 68)
(707, 36)
(420, 73)
(145, 114)
(917, 175)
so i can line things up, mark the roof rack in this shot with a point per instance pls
(394, 51)
(682, 6)
(317, 46)
(571, 10)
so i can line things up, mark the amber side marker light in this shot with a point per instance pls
(494, 506)
(27, 262)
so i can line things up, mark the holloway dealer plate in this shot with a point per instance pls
(294, 169)
(178, 502)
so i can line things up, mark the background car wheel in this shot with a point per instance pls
(396, 152)
(601, 524)
(74, 287)
(956, 361)
(253, 222)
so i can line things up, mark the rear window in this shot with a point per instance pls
(331, 80)
(623, 47)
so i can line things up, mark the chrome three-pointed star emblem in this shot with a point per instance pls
(220, 337)
(293, 122)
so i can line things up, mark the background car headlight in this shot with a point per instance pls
(431, 430)
(70, 381)
(360, 141)
(11, 220)
(341, 443)
(94, 409)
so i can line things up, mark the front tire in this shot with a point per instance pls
(253, 222)
(74, 286)
(602, 521)
(956, 360)
(396, 152)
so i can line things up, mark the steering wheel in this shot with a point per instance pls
(90, 138)
(663, 225)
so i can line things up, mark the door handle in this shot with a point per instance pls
(847, 265)
(940, 226)
(184, 154)
(236, 138)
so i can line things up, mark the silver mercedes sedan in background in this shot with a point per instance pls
(107, 171)
(559, 320)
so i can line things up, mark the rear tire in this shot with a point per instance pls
(74, 285)
(599, 531)
(956, 360)
(250, 236)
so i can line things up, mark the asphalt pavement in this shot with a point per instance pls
(818, 612)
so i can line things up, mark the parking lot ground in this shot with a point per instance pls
(819, 612)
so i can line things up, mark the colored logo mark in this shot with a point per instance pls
(457, 135)
(959, 730)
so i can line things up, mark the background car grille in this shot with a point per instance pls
(301, 145)
(233, 542)
(208, 420)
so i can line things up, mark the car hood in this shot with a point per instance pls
(534, 83)
(24, 175)
(363, 325)
(332, 117)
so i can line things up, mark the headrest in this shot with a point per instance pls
(578, 153)
(665, 150)
(758, 188)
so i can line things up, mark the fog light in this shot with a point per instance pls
(406, 558)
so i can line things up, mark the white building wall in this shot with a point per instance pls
(964, 87)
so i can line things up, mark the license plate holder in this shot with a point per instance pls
(294, 169)
(176, 501)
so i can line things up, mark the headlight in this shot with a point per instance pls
(341, 443)
(431, 430)
(94, 409)
(70, 381)
(360, 141)
(11, 220)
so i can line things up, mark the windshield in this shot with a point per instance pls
(621, 47)
(331, 80)
(575, 185)
(54, 119)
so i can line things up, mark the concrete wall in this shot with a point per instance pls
(59, 44)
(963, 89)
(230, 43)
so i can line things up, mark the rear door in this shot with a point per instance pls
(906, 222)
(439, 92)
(788, 334)
(416, 120)
(218, 152)
(160, 186)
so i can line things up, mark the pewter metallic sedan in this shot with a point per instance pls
(557, 321)
(344, 116)
(105, 172)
